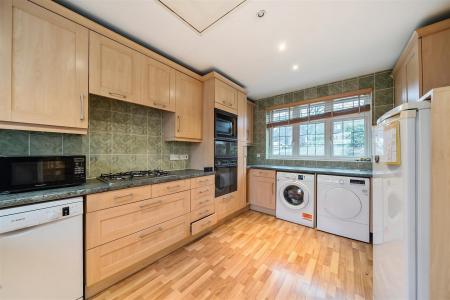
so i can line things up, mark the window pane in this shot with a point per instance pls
(320, 128)
(349, 138)
(303, 129)
(281, 140)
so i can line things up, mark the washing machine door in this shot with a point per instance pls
(342, 203)
(294, 195)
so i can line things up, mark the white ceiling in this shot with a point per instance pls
(328, 40)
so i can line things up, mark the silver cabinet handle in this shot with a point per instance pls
(179, 123)
(151, 205)
(82, 106)
(145, 235)
(117, 95)
(159, 104)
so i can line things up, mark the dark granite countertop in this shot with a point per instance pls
(325, 171)
(91, 186)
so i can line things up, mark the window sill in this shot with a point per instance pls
(324, 159)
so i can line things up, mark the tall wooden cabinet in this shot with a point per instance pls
(186, 123)
(424, 63)
(114, 69)
(249, 121)
(43, 70)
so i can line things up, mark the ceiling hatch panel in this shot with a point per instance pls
(201, 14)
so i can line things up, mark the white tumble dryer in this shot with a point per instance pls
(296, 198)
(343, 206)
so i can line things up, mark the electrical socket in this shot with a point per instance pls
(184, 156)
(174, 157)
(258, 155)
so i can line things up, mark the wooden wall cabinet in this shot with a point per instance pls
(114, 69)
(226, 96)
(424, 63)
(158, 85)
(186, 123)
(262, 190)
(43, 70)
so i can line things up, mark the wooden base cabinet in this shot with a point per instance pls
(130, 228)
(43, 70)
(106, 260)
(261, 190)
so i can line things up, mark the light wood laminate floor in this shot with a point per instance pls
(256, 256)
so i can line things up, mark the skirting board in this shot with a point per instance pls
(264, 210)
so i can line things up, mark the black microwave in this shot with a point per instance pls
(28, 173)
(225, 125)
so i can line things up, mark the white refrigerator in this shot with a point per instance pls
(401, 198)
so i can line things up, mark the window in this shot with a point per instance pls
(335, 129)
(349, 138)
(312, 139)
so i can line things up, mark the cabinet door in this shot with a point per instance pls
(242, 117)
(158, 85)
(250, 111)
(189, 108)
(48, 71)
(400, 87)
(242, 175)
(412, 73)
(436, 60)
(114, 69)
(262, 191)
(225, 95)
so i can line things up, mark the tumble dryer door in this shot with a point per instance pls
(294, 195)
(342, 204)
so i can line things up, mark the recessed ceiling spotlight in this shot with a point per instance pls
(282, 47)
(261, 13)
(294, 67)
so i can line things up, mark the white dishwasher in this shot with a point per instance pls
(41, 251)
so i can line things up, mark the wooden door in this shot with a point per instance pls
(114, 69)
(412, 75)
(158, 85)
(242, 117)
(189, 108)
(225, 95)
(48, 67)
(250, 118)
(436, 60)
(262, 190)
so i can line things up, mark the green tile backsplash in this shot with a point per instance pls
(121, 137)
(383, 100)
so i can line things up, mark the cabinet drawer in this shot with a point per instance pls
(203, 224)
(111, 258)
(170, 187)
(115, 198)
(202, 181)
(226, 204)
(202, 212)
(110, 224)
(202, 196)
(262, 173)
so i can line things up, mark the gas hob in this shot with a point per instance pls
(130, 175)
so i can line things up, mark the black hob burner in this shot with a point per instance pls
(122, 176)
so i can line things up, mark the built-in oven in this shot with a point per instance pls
(225, 125)
(225, 149)
(226, 176)
(27, 173)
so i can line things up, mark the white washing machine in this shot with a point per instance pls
(343, 206)
(296, 198)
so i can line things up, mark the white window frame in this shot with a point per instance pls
(328, 140)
